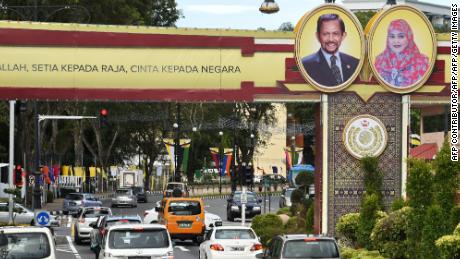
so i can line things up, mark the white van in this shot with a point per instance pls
(137, 241)
(27, 242)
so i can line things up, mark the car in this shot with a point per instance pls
(151, 215)
(285, 199)
(301, 246)
(230, 242)
(140, 193)
(22, 215)
(100, 227)
(211, 220)
(253, 206)
(173, 188)
(274, 179)
(137, 241)
(124, 197)
(27, 242)
(183, 217)
(85, 217)
(73, 201)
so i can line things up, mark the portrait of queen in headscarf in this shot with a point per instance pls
(401, 64)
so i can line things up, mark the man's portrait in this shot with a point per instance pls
(402, 49)
(325, 62)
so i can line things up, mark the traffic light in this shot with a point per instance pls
(103, 113)
(249, 175)
(18, 175)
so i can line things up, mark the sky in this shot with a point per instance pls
(244, 14)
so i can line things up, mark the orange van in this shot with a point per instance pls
(183, 217)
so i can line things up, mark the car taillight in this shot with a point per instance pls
(256, 247)
(82, 220)
(216, 247)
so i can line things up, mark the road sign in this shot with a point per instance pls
(42, 218)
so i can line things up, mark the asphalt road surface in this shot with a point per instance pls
(67, 249)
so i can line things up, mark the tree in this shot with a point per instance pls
(373, 177)
(364, 17)
(286, 26)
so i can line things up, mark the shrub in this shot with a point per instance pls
(267, 226)
(291, 226)
(285, 210)
(373, 177)
(433, 228)
(347, 227)
(390, 233)
(449, 246)
(350, 253)
(397, 204)
(297, 196)
(419, 184)
(457, 230)
(454, 217)
(310, 218)
(367, 219)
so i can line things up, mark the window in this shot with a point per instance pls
(276, 252)
(313, 249)
(138, 238)
(121, 221)
(182, 208)
(74, 197)
(234, 234)
(251, 197)
(93, 213)
(435, 123)
(26, 245)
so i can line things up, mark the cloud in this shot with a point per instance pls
(221, 9)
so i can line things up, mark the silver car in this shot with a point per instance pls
(285, 199)
(74, 201)
(124, 197)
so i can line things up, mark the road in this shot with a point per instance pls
(67, 249)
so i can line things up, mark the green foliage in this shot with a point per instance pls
(419, 184)
(397, 204)
(286, 26)
(297, 196)
(347, 228)
(305, 179)
(350, 253)
(454, 217)
(390, 233)
(367, 218)
(291, 226)
(373, 177)
(433, 228)
(16, 192)
(364, 17)
(266, 227)
(445, 179)
(415, 121)
(457, 230)
(449, 246)
(309, 221)
(285, 210)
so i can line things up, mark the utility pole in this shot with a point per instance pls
(11, 163)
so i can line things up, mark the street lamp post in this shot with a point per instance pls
(221, 156)
(176, 147)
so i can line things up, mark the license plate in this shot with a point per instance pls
(185, 225)
(237, 248)
(218, 223)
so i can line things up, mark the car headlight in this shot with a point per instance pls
(234, 207)
(168, 255)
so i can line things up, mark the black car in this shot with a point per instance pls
(253, 206)
(140, 194)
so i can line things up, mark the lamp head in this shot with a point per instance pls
(269, 6)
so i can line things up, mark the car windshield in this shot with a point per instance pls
(310, 249)
(138, 238)
(94, 213)
(251, 197)
(184, 208)
(74, 197)
(26, 245)
(234, 234)
(123, 191)
(172, 186)
(121, 221)
(138, 190)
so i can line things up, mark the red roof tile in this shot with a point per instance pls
(424, 151)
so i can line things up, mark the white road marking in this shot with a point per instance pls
(69, 221)
(183, 249)
(72, 247)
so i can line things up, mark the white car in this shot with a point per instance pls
(151, 216)
(230, 242)
(22, 215)
(27, 242)
(137, 241)
(85, 217)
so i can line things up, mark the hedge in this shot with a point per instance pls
(350, 253)
(347, 227)
(266, 227)
(449, 246)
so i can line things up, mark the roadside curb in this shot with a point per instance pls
(224, 196)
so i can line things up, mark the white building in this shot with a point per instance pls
(439, 15)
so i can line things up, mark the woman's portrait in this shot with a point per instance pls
(402, 48)
(401, 64)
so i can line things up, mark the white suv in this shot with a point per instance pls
(137, 241)
(27, 242)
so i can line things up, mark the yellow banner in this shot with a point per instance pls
(137, 68)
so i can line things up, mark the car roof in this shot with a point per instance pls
(132, 226)
(114, 218)
(24, 229)
(231, 227)
(303, 236)
(96, 208)
(183, 199)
